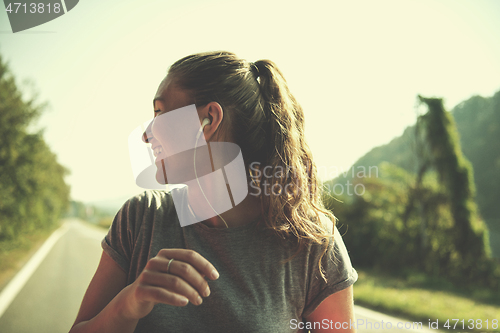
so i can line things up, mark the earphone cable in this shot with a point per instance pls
(196, 175)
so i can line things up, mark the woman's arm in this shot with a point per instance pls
(337, 308)
(174, 276)
(99, 311)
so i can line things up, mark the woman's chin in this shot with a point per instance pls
(160, 177)
(179, 173)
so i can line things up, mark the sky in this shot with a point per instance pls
(356, 67)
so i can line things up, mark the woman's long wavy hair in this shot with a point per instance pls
(267, 122)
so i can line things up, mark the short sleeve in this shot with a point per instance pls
(120, 239)
(338, 271)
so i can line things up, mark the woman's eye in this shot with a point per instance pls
(157, 112)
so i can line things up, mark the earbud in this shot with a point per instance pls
(205, 121)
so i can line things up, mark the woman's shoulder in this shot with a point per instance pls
(327, 223)
(149, 199)
(144, 206)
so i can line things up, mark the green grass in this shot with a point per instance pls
(418, 297)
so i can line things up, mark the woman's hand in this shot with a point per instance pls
(177, 284)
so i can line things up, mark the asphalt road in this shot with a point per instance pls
(50, 299)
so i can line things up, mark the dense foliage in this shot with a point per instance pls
(478, 124)
(455, 172)
(417, 212)
(33, 193)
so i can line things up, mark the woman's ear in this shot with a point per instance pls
(213, 111)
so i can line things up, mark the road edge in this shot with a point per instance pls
(15, 285)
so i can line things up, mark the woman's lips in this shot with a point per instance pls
(159, 153)
(157, 150)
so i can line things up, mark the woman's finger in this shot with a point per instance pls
(171, 283)
(191, 276)
(182, 270)
(156, 294)
(193, 258)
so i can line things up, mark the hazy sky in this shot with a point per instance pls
(355, 66)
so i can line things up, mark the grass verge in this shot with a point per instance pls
(418, 297)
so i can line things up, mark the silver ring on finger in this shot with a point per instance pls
(168, 266)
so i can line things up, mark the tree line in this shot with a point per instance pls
(33, 192)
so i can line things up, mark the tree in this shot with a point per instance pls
(33, 193)
(455, 171)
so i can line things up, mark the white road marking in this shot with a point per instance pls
(10, 292)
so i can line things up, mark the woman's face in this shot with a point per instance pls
(167, 98)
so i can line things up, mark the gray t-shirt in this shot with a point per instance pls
(254, 293)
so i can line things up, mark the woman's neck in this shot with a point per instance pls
(247, 211)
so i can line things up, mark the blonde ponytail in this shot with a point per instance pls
(267, 122)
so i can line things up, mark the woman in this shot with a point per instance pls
(272, 263)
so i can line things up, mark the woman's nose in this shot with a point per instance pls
(145, 138)
(148, 134)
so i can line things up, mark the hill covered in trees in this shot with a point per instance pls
(412, 202)
(478, 123)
